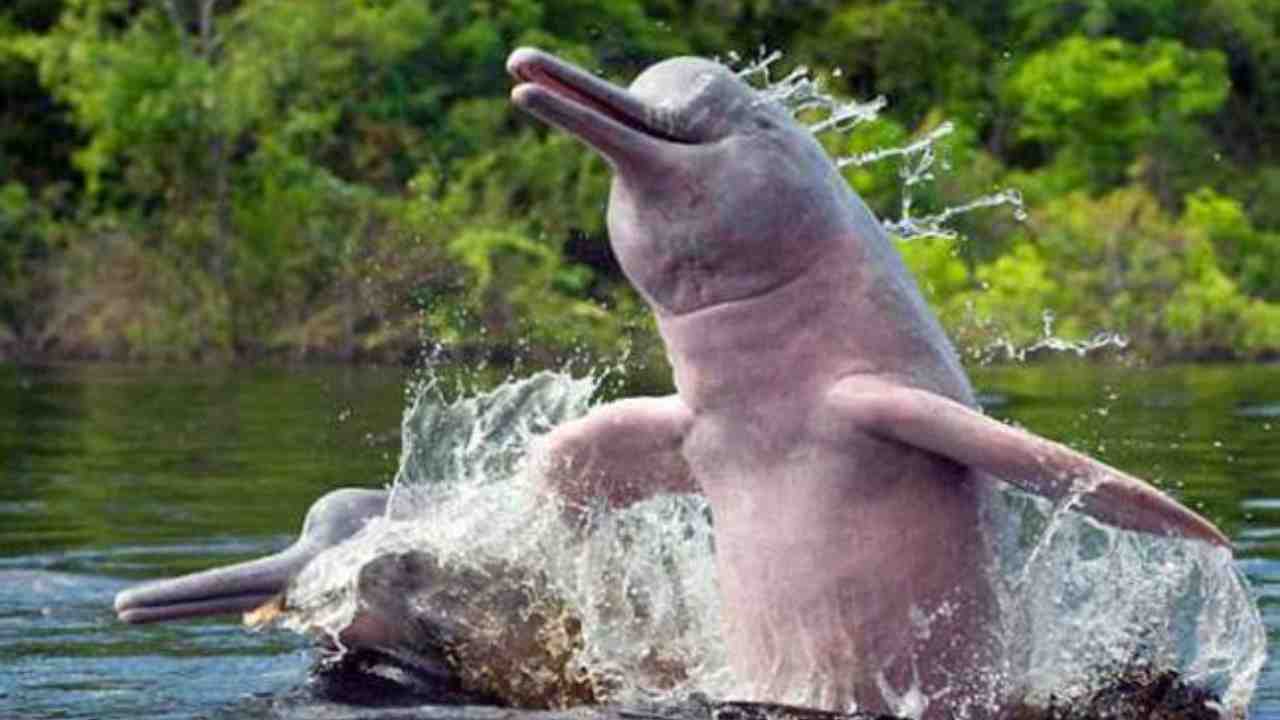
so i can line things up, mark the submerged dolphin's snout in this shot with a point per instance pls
(233, 589)
(246, 586)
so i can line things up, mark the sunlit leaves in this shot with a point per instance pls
(1101, 100)
(274, 175)
(1118, 263)
(892, 49)
(1042, 20)
(1249, 255)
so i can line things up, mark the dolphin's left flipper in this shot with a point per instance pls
(943, 426)
(619, 453)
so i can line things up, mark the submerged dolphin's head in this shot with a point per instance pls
(244, 586)
(718, 195)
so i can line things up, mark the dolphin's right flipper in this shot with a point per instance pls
(953, 430)
(619, 453)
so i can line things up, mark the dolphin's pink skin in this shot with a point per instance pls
(820, 407)
(245, 586)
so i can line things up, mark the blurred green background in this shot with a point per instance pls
(223, 180)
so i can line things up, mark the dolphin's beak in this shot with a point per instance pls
(615, 122)
(233, 589)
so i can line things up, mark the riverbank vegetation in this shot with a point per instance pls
(221, 180)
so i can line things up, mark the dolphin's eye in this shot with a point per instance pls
(764, 123)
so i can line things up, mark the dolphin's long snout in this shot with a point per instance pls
(609, 118)
(245, 586)
(227, 590)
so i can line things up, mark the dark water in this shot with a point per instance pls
(109, 475)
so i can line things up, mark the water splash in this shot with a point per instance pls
(1080, 603)
(802, 94)
(1003, 348)
(640, 583)
(1083, 604)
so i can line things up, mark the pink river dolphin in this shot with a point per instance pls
(819, 408)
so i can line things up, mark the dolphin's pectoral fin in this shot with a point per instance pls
(618, 454)
(953, 430)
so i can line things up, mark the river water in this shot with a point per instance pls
(109, 475)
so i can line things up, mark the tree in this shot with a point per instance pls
(1100, 103)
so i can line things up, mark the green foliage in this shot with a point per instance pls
(34, 140)
(937, 266)
(23, 247)
(1135, 20)
(1009, 301)
(1248, 255)
(1104, 100)
(212, 179)
(510, 279)
(1119, 263)
(892, 48)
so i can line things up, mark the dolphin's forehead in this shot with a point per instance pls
(695, 92)
(675, 75)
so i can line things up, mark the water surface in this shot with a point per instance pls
(109, 475)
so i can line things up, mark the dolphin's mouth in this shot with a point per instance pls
(137, 613)
(609, 118)
(372, 677)
(229, 590)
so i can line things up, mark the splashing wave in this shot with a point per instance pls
(1081, 604)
